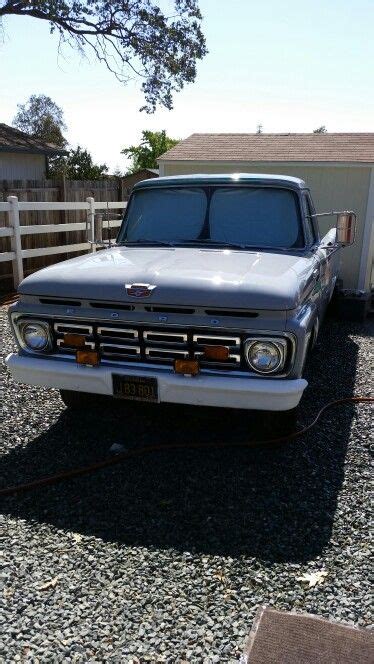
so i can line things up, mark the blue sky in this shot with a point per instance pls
(289, 66)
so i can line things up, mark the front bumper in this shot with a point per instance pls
(202, 390)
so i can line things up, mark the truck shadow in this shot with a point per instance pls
(276, 504)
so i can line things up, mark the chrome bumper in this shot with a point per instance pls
(228, 392)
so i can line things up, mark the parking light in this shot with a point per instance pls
(89, 358)
(187, 367)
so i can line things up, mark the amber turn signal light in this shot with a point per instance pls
(88, 357)
(186, 367)
(75, 340)
(219, 353)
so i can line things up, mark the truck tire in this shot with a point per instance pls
(280, 423)
(79, 400)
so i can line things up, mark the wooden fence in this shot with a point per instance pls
(50, 191)
(92, 227)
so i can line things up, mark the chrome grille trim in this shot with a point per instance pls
(235, 358)
(61, 344)
(207, 339)
(129, 351)
(108, 331)
(67, 327)
(165, 337)
(170, 352)
(165, 352)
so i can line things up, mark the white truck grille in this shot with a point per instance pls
(150, 345)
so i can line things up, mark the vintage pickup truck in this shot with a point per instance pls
(212, 295)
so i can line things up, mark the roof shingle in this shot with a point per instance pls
(13, 140)
(353, 147)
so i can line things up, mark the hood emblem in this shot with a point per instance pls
(139, 290)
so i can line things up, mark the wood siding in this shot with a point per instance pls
(20, 166)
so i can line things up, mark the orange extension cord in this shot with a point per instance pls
(75, 472)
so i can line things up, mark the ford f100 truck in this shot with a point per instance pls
(212, 295)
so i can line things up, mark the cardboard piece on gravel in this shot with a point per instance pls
(278, 637)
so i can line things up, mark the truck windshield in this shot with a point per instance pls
(244, 216)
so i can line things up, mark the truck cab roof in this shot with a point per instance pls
(224, 178)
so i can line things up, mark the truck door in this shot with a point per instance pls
(312, 242)
(326, 260)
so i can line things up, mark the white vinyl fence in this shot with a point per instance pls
(93, 225)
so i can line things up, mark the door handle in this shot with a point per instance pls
(316, 273)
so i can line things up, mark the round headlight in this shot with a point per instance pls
(264, 356)
(35, 336)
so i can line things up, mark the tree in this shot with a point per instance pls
(42, 118)
(320, 130)
(144, 155)
(78, 165)
(131, 37)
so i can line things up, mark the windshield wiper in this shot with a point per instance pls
(215, 243)
(156, 243)
(186, 243)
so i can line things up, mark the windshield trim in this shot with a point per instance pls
(208, 186)
(207, 245)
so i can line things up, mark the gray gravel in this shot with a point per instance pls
(167, 558)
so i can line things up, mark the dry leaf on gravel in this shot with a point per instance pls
(49, 584)
(313, 579)
(8, 592)
(77, 537)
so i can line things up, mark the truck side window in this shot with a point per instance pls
(309, 225)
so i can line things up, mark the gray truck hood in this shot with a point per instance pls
(182, 276)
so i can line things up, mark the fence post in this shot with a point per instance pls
(99, 227)
(15, 241)
(91, 222)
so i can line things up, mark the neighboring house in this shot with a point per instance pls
(128, 181)
(338, 168)
(23, 157)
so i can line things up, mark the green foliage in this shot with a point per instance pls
(78, 165)
(320, 130)
(42, 118)
(153, 144)
(131, 37)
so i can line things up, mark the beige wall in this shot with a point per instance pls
(20, 166)
(332, 187)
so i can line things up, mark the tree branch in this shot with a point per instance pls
(123, 31)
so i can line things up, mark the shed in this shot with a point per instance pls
(338, 168)
(128, 181)
(23, 157)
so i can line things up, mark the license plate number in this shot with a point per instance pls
(135, 388)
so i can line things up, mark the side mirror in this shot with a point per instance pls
(346, 228)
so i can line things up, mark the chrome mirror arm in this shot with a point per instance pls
(331, 214)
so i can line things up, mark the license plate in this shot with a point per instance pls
(136, 388)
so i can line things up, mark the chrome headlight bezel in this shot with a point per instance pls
(20, 324)
(277, 343)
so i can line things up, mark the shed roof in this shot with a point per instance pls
(353, 147)
(14, 140)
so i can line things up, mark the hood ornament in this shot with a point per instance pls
(139, 290)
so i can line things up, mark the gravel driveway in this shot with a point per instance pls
(166, 558)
